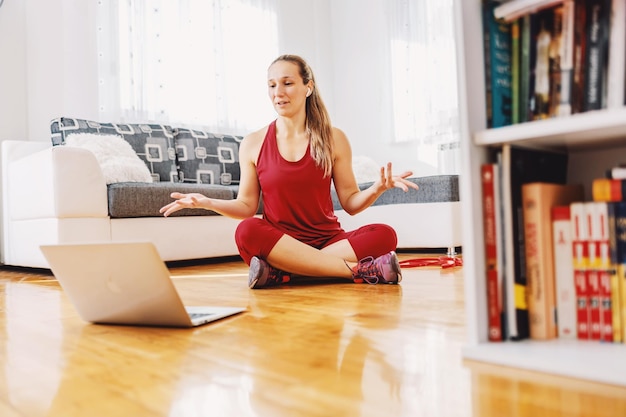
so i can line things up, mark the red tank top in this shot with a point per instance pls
(296, 195)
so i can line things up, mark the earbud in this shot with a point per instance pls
(308, 92)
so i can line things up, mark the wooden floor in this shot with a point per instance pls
(303, 350)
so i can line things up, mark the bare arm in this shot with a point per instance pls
(351, 198)
(247, 202)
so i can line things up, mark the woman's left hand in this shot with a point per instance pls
(388, 180)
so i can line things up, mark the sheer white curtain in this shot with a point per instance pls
(194, 63)
(424, 83)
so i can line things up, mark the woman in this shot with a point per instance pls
(292, 162)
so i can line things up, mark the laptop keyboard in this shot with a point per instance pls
(198, 315)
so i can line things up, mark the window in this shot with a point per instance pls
(186, 62)
(423, 70)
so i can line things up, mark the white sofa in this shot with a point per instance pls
(57, 194)
(53, 195)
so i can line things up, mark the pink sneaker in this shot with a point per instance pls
(383, 270)
(263, 275)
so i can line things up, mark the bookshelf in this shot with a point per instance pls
(594, 141)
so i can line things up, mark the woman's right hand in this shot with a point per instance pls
(183, 201)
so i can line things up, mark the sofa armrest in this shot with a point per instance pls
(57, 182)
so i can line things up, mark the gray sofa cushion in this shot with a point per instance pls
(154, 144)
(207, 158)
(132, 199)
(433, 189)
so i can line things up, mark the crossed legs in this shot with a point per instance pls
(256, 237)
(291, 255)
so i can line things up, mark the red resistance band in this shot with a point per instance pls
(443, 261)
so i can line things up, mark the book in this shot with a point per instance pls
(564, 272)
(501, 260)
(486, 10)
(594, 219)
(601, 236)
(490, 178)
(497, 35)
(606, 301)
(538, 198)
(596, 53)
(580, 260)
(562, 63)
(533, 25)
(512, 10)
(520, 166)
(542, 24)
(580, 40)
(616, 70)
(614, 277)
(608, 189)
(555, 60)
(593, 304)
(515, 71)
(619, 211)
(526, 77)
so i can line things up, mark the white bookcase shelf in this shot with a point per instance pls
(593, 139)
(587, 130)
(589, 360)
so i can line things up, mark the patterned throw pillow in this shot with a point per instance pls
(154, 144)
(207, 158)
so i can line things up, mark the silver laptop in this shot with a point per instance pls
(124, 283)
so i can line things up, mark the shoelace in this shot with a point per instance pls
(443, 261)
(366, 273)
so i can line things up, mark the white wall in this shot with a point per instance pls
(361, 66)
(51, 48)
(61, 62)
(304, 29)
(13, 124)
(53, 71)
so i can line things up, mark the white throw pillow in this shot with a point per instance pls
(117, 159)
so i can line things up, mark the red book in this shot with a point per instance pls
(603, 264)
(606, 311)
(597, 266)
(593, 291)
(580, 258)
(491, 219)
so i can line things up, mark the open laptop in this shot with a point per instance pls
(124, 283)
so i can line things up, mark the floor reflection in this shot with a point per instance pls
(499, 391)
(23, 326)
(126, 370)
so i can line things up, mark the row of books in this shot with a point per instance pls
(552, 58)
(555, 264)
(589, 251)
